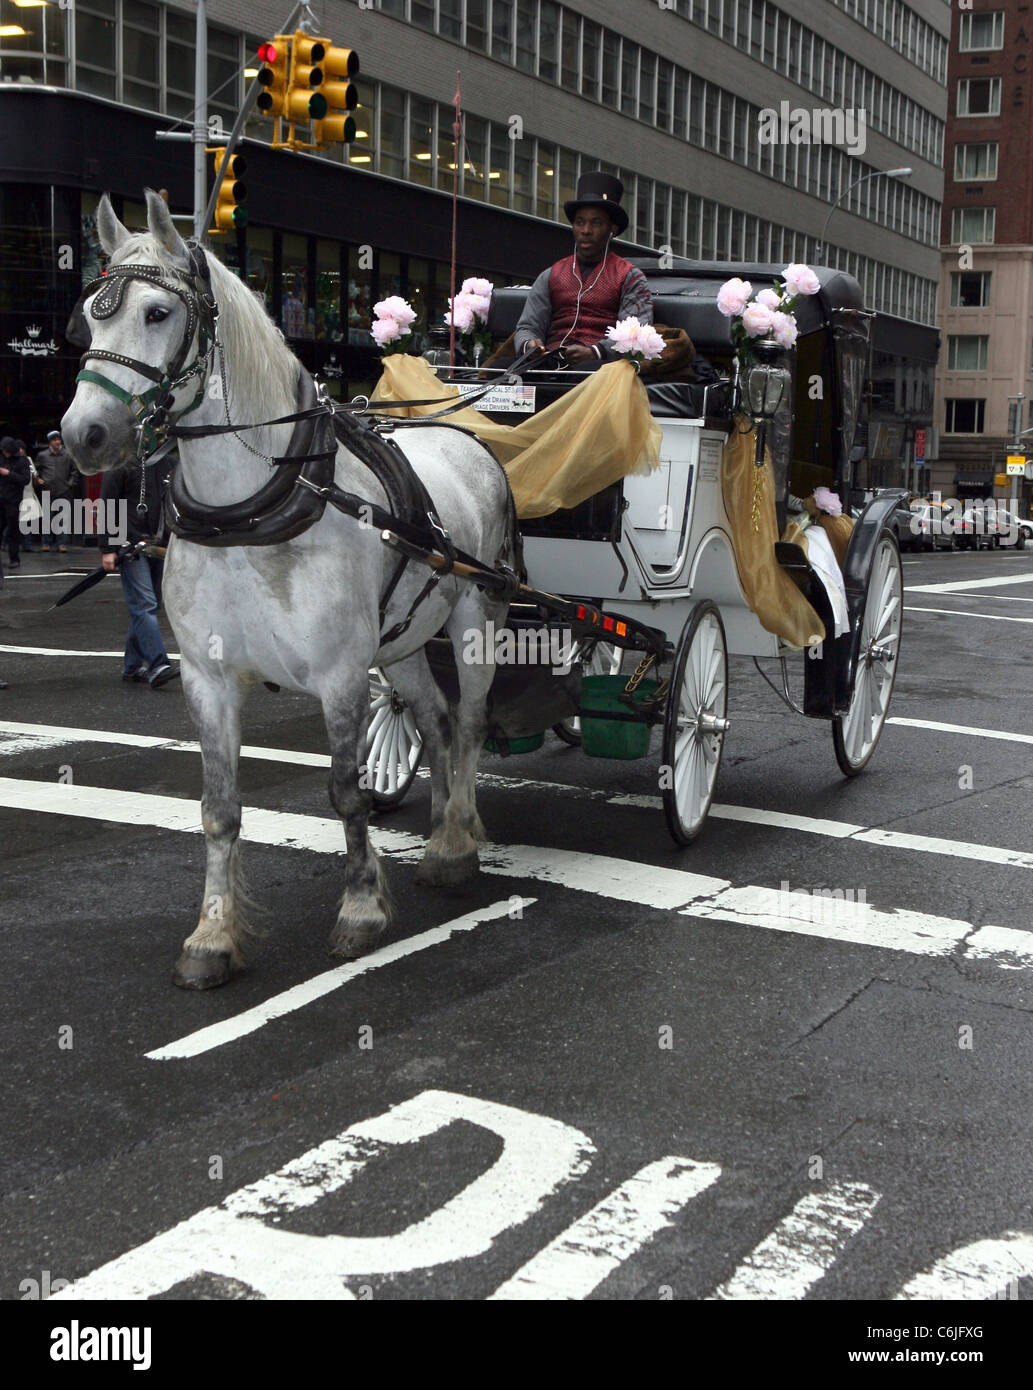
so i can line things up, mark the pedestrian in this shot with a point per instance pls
(56, 471)
(14, 474)
(145, 658)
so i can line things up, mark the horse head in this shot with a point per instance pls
(152, 322)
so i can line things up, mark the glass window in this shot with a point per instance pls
(140, 57)
(611, 84)
(548, 41)
(661, 214)
(475, 157)
(446, 162)
(392, 132)
(981, 31)
(680, 104)
(294, 310)
(360, 298)
(972, 225)
(450, 22)
(976, 161)
(477, 25)
(523, 172)
(965, 416)
(95, 48)
(417, 285)
(421, 141)
(647, 87)
(502, 30)
(970, 289)
(526, 34)
(328, 291)
(979, 96)
(643, 206)
(569, 52)
(422, 13)
(568, 176)
(629, 77)
(360, 151)
(223, 73)
(545, 190)
(260, 263)
(591, 53)
(664, 93)
(967, 352)
(498, 172)
(697, 92)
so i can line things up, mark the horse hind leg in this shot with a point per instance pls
(365, 908)
(219, 942)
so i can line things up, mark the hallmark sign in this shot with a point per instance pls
(33, 344)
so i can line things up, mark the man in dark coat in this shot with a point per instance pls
(145, 657)
(14, 474)
(56, 471)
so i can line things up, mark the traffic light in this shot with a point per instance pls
(272, 77)
(339, 96)
(304, 101)
(229, 210)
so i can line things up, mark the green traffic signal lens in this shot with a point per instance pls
(240, 217)
(317, 106)
(349, 131)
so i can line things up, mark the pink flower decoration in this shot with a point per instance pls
(479, 304)
(757, 319)
(733, 296)
(771, 299)
(623, 336)
(800, 279)
(827, 501)
(386, 330)
(650, 342)
(478, 286)
(462, 316)
(785, 329)
(395, 307)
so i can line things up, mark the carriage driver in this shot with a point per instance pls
(571, 304)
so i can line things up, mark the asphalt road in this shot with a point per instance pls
(628, 1073)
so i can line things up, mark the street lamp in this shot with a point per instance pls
(878, 174)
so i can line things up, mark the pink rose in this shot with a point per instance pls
(479, 304)
(733, 296)
(827, 501)
(386, 330)
(785, 329)
(395, 307)
(462, 316)
(757, 319)
(623, 336)
(478, 286)
(771, 299)
(650, 343)
(800, 279)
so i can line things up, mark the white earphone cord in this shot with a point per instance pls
(581, 291)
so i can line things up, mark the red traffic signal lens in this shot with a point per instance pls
(267, 52)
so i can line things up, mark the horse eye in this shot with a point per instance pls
(156, 314)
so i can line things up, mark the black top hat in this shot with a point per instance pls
(599, 190)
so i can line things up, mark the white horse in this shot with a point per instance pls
(304, 613)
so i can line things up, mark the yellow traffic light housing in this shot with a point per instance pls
(340, 96)
(272, 77)
(304, 101)
(230, 214)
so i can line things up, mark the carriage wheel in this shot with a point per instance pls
(855, 734)
(394, 744)
(695, 723)
(604, 661)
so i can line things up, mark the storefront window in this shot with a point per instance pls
(418, 280)
(328, 291)
(294, 310)
(360, 303)
(389, 275)
(42, 32)
(260, 263)
(421, 142)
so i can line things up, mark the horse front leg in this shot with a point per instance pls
(216, 945)
(365, 908)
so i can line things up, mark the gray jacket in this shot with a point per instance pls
(56, 471)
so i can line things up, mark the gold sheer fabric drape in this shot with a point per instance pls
(749, 498)
(598, 432)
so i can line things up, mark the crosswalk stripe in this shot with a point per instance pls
(961, 613)
(960, 586)
(621, 880)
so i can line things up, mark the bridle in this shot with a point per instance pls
(151, 410)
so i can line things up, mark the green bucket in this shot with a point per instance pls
(517, 745)
(612, 738)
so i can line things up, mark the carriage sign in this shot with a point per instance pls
(502, 398)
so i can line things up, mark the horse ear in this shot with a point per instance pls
(110, 230)
(162, 228)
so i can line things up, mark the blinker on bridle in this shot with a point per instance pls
(151, 409)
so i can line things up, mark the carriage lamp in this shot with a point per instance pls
(767, 382)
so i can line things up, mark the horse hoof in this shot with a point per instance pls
(348, 943)
(437, 872)
(207, 970)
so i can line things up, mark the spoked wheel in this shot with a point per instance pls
(695, 723)
(604, 661)
(394, 745)
(855, 734)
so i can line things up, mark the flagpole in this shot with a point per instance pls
(456, 133)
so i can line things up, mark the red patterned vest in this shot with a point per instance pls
(599, 302)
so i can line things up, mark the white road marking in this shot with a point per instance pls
(578, 1260)
(962, 613)
(230, 1029)
(959, 586)
(803, 1247)
(61, 651)
(936, 726)
(982, 1270)
(234, 1239)
(753, 815)
(622, 880)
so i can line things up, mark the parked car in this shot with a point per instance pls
(899, 522)
(1015, 530)
(932, 527)
(978, 527)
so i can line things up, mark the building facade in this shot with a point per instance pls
(739, 127)
(986, 277)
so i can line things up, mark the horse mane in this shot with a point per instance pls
(261, 371)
